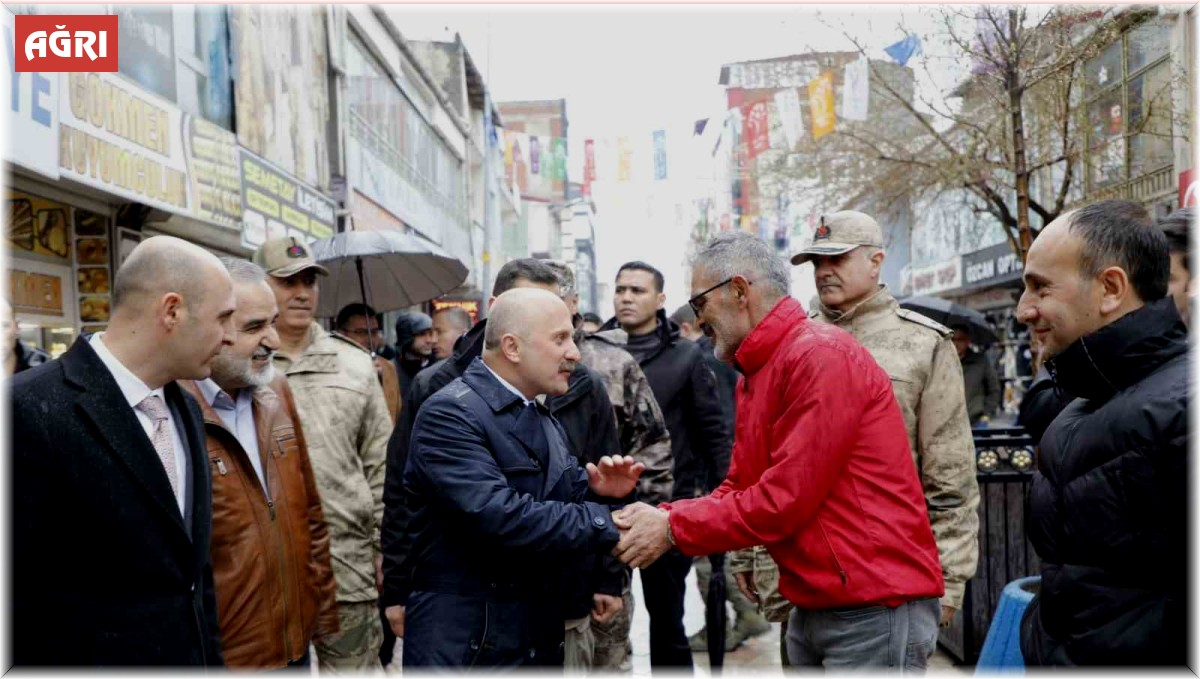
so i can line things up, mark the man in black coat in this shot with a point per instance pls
(499, 504)
(593, 585)
(1108, 504)
(111, 513)
(701, 439)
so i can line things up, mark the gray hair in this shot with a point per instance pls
(738, 253)
(244, 271)
(566, 277)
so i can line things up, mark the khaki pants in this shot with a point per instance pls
(579, 645)
(355, 648)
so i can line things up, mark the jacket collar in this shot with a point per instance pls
(1098, 365)
(759, 346)
(667, 331)
(484, 383)
(880, 301)
(469, 347)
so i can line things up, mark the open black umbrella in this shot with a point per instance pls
(715, 615)
(951, 314)
(398, 270)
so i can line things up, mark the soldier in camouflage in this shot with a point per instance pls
(919, 356)
(347, 425)
(644, 436)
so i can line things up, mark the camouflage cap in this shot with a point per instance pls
(285, 257)
(839, 233)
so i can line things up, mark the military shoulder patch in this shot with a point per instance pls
(914, 317)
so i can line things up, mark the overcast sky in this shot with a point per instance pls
(629, 70)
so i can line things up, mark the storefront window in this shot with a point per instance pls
(1128, 90)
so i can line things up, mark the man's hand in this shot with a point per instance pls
(615, 476)
(745, 584)
(643, 536)
(395, 618)
(605, 606)
(948, 615)
(379, 573)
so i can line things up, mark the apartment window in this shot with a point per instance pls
(1128, 90)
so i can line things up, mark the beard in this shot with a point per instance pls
(241, 372)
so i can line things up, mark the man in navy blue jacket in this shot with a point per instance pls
(499, 504)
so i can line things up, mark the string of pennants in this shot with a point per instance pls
(777, 122)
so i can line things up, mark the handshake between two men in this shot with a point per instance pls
(645, 531)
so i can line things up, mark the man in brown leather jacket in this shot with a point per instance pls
(270, 546)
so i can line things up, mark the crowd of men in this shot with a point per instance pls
(216, 479)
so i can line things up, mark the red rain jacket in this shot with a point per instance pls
(821, 473)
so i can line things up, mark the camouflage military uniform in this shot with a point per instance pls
(347, 424)
(927, 380)
(644, 436)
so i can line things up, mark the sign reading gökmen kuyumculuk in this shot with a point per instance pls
(276, 204)
(115, 136)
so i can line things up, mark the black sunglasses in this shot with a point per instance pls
(697, 303)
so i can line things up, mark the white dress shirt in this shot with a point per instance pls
(136, 391)
(238, 416)
(507, 385)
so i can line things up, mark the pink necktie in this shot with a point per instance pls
(156, 410)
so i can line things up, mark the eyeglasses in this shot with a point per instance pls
(697, 303)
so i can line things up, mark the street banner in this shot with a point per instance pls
(856, 89)
(787, 102)
(820, 105)
(756, 125)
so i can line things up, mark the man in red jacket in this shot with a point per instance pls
(821, 474)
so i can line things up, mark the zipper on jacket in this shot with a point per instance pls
(836, 564)
(287, 641)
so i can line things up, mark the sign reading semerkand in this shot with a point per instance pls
(276, 204)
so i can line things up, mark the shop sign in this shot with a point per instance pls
(276, 204)
(470, 306)
(118, 138)
(989, 264)
(933, 278)
(212, 168)
(32, 112)
(35, 293)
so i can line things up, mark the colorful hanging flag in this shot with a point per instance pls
(902, 51)
(757, 139)
(535, 155)
(856, 89)
(560, 158)
(787, 102)
(624, 159)
(508, 149)
(820, 105)
(589, 165)
(699, 128)
(660, 154)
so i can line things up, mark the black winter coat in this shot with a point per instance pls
(1108, 503)
(105, 570)
(499, 508)
(687, 392)
(586, 415)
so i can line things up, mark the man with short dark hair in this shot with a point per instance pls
(1110, 494)
(1182, 287)
(981, 384)
(364, 326)
(270, 544)
(111, 508)
(686, 391)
